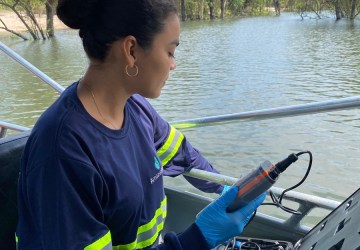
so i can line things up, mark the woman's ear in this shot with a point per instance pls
(129, 49)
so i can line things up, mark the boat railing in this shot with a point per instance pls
(306, 202)
(5, 126)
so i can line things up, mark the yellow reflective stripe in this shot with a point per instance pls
(151, 241)
(100, 243)
(151, 223)
(168, 142)
(185, 125)
(16, 242)
(174, 151)
(129, 246)
(141, 243)
(171, 146)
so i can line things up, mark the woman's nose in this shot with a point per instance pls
(173, 65)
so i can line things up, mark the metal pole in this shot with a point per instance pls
(294, 110)
(291, 195)
(209, 176)
(13, 126)
(3, 131)
(31, 68)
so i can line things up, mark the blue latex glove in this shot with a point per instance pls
(225, 189)
(217, 226)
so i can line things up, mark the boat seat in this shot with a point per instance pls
(11, 148)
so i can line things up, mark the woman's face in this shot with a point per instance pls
(156, 62)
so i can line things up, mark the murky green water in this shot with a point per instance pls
(229, 67)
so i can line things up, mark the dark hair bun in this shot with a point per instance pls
(76, 13)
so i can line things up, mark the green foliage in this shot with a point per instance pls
(346, 7)
(33, 5)
(37, 6)
(26, 10)
(196, 10)
(235, 6)
(199, 9)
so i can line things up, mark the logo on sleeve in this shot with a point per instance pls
(157, 163)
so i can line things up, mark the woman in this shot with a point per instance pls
(91, 173)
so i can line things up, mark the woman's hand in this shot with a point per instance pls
(217, 226)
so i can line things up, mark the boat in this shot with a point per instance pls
(340, 229)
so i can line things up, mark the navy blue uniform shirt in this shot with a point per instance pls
(82, 184)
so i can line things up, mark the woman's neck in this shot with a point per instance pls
(103, 98)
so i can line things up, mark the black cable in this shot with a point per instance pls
(277, 201)
(303, 179)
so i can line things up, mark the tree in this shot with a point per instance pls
(50, 7)
(25, 11)
(277, 7)
(5, 27)
(211, 9)
(319, 8)
(353, 12)
(222, 8)
(182, 7)
(338, 12)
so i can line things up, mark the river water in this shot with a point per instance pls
(233, 66)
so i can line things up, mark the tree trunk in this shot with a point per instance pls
(277, 7)
(50, 7)
(30, 30)
(353, 10)
(201, 10)
(11, 31)
(32, 26)
(337, 10)
(222, 8)
(246, 4)
(183, 14)
(36, 26)
(211, 10)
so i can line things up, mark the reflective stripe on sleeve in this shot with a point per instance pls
(171, 146)
(149, 232)
(16, 241)
(104, 243)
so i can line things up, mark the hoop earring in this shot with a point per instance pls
(136, 71)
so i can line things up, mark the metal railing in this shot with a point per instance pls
(5, 126)
(272, 113)
(306, 202)
(31, 68)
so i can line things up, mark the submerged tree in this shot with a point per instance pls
(211, 5)
(277, 7)
(222, 8)
(182, 8)
(25, 11)
(350, 8)
(50, 7)
(324, 8)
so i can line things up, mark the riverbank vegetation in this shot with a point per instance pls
(211, 9)
(28, 10)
